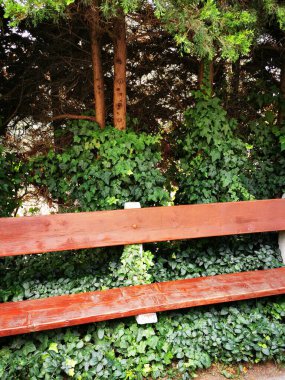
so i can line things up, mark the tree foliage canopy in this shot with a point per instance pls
(201, 28)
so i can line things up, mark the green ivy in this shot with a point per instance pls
(211, 158)
(209, 257)
(280, 134)
(244, 332)
(134, 266)
(51, 274)
(178, 345)
(12, 174)
(103, 169)
(215, 164)
(266, 161)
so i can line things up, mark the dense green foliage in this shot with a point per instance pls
(41, 9)
(265, 166)
(103, 169)
(51, 274)
(251, 331)
(211, 157)
(274, 9)
(203, 28)
(123, 350)
(215, 164)
(11, 181)
(215, 25)
(37, 10)
(134, 267)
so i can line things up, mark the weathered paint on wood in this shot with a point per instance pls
(38, 234)
(69, 310)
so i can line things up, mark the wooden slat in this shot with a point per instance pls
(54, 312)
(106, 228)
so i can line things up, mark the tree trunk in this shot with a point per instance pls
(201, 74)
(281, 113)
(206, 75)
(235, 79)
(58, 144)
(98, 77)
(120, 58)
(56, 124)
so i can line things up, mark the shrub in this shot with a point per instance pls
(266, 163)
(211, 158)
(243, 332)
(217, 162)
(103, 169)
(12, 174)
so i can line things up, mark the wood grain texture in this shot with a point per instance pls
(39, 234)
(35, 315)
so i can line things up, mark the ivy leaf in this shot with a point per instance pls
(101, 333)
(28, 348)
(53, 347)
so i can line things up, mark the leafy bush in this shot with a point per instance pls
(11, 181)
(247, 331)
(211, 158)
(38, 276)
(209, 257)
(218, 163)
(266, 162)
(134, 267)
(103, 169)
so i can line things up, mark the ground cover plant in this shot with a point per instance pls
(180, 343)
(250, 331)
(38, 276)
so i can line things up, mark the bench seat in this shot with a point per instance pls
(62, 311)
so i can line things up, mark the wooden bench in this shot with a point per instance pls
(40, 234)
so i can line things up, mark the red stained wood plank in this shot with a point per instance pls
(62, 311)
(60, 232)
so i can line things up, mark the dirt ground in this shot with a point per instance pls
(267, 371)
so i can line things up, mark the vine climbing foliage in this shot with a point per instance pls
(103, 169)
(211, 159)
(12, 180)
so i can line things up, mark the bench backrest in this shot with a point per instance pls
(39, 234)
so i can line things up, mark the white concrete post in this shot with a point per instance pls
(281, 241)
(141, 319)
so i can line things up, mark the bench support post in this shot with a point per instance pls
(281, 241)
(141, 319)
